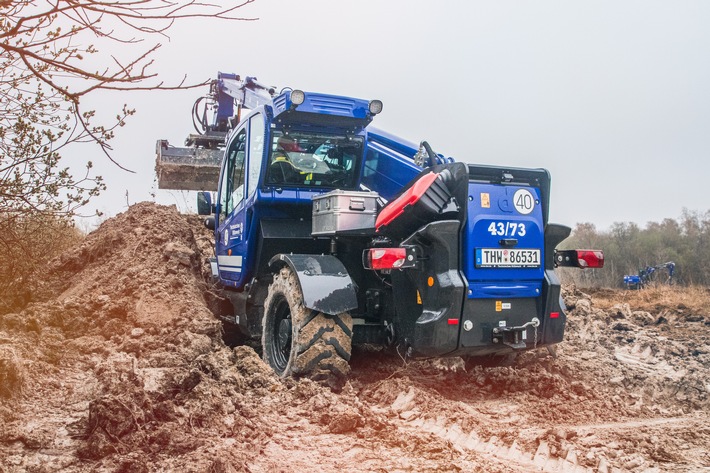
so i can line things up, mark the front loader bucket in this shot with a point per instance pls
(190, 168)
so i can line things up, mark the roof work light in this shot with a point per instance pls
(298, 97)
(375, 106)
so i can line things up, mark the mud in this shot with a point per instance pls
(118, 365)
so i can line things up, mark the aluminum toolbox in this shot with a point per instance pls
(342, 211)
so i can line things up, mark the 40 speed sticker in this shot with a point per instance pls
(523, 201)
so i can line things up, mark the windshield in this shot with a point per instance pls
(313, 160)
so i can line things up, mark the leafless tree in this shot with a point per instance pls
(49, 51)
(53, 54)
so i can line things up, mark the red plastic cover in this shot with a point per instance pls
(395, 208)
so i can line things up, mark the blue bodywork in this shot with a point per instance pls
(486, 260)
(237, 231)
(486, 227)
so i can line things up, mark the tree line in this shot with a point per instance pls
(628, 249)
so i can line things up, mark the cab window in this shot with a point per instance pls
(256, 151)
(300, 159)
(232, 185)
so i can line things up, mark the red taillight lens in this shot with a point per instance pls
(386, 258)
(579, 258)
(590, 258)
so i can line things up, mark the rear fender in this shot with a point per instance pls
(325, 283)
(554, 235)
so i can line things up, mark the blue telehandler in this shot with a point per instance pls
(645, 276)
(330, 232)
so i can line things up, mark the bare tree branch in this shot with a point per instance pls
(44, 75)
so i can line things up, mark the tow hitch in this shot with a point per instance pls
(515, 337)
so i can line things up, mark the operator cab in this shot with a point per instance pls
(308, 159)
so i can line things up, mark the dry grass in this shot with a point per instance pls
(26, 245)
(695, 299)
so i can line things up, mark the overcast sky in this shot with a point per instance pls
(612, 97)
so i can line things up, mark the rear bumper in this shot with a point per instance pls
(485, 326)
(440, 313)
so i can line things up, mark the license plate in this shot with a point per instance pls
(507, 258)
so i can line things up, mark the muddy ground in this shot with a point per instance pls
(118, 365)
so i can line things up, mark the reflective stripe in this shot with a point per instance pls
(230, 263)
(229, 260)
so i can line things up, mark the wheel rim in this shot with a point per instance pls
(281, 345)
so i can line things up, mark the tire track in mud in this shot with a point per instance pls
(317, 430)
(633, 424)
(493, 448)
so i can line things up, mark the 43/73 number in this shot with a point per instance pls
(510, 229)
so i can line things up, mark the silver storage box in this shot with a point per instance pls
(344, 211)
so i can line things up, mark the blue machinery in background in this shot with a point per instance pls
(645, 276)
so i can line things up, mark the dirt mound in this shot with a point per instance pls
(122, 362)
(118, 364)
(11, 373)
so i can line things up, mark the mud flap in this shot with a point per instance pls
(555, 317)
(325, 283)
(429, 300)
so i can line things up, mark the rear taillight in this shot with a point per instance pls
(590, 258)
(580, 258)
(389, 258)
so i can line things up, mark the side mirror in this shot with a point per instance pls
(209, 222)
(204, 203)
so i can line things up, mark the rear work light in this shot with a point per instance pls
(390, 258)
(580, 258)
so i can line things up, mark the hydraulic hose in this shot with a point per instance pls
(199, 122)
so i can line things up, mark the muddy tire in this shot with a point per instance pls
(302, 342)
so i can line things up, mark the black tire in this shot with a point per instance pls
(302, 342)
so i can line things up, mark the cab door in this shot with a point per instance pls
(237, 197)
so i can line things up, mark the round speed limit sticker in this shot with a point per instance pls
(523, 201)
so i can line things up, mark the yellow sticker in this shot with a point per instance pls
(499, 306)
(485, 200)
(419, 298)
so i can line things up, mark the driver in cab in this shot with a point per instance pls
(282, 170)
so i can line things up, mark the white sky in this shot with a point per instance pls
(613, 97)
